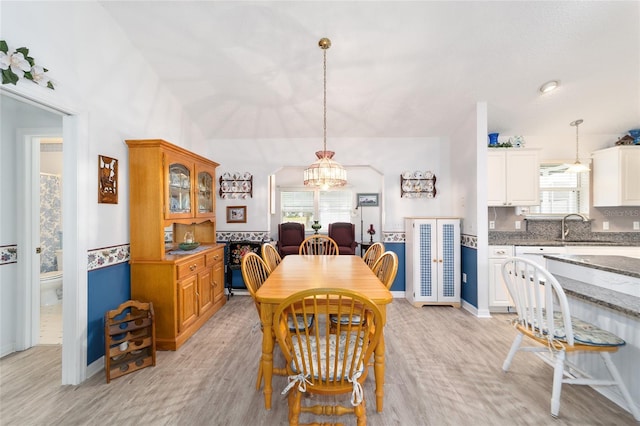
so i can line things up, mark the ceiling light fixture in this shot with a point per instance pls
(325, 172)
(577, 167)
(549, 86)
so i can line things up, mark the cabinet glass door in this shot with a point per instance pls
(179, 189)
(205, 194)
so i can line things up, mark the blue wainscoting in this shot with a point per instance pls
(107, 288)
(399, 284)
(469, 261)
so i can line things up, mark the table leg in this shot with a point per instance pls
(378, 365)
(267, 351)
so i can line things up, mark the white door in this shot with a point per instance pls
(447, 260)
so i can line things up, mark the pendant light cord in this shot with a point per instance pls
(324, 126)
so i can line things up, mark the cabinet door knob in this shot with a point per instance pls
(193, 267)
(435, 260)
(500, 252)
(216, 257)
(440, 260)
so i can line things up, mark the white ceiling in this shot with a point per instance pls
(395, 69)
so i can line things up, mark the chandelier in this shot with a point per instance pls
(577, 167)
(325, 172)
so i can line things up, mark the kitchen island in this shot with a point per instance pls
(603, 290)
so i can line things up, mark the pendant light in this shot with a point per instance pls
(325, 172)
(577, 167)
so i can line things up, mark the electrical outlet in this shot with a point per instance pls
(464, 277)
(636, 226)
(605, 226)
(518, 224)
(492, 224)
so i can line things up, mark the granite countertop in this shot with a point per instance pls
(558, 242)
(620, 302)
(629, 266)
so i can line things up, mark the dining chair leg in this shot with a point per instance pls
(633, 408)
(259, 380)
(295, 403)
(558, 374)
(517, 341)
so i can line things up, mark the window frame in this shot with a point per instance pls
(582, 187)
(316, 214)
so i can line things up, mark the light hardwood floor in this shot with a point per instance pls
(443, 368)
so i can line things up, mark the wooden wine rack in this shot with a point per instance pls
(130, 339)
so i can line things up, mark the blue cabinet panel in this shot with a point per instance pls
(470, 267)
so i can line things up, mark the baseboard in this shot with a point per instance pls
(95, 367)
(484, 313)
(7, 349)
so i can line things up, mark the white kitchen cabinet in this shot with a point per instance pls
(499, 299)
(433, 261)
(616, 176)
(513, 177)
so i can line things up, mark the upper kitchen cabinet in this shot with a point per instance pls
(616, 176)
(513, 177)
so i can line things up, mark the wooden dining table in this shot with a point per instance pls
(296, 273)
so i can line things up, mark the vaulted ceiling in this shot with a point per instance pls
(395, 69)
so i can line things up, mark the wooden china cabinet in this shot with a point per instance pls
(170, 187)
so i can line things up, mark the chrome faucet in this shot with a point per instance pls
(565, 230)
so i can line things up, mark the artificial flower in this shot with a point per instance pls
(38, 75)
(17, 64)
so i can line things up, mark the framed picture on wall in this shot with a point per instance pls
(107, 180)
(237, 214)
(368, 200)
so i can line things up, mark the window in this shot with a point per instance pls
(326, 207)
(561, 192)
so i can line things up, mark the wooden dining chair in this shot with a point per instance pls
(320, 362)
(544, 317)
(386, 268)
(270, 256)
(254, 273)
(319, 244)
(373, 253)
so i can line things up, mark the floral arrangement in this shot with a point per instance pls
(18, 64)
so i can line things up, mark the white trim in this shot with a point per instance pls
(74, 315)
(75, 194)
(28, 236)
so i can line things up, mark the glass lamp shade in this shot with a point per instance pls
(577, 167)
(325, 172)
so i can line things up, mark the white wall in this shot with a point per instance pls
(99, 76)
(387, 155)
(464, 166)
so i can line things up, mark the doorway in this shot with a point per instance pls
(49, 189)
(24, 118)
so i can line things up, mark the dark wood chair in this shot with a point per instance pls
(344, 233)
(290, 236)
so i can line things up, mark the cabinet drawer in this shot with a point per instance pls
(214, 257)
(190, 267)
(500, 251)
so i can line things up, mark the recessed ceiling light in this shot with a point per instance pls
(549, 86)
